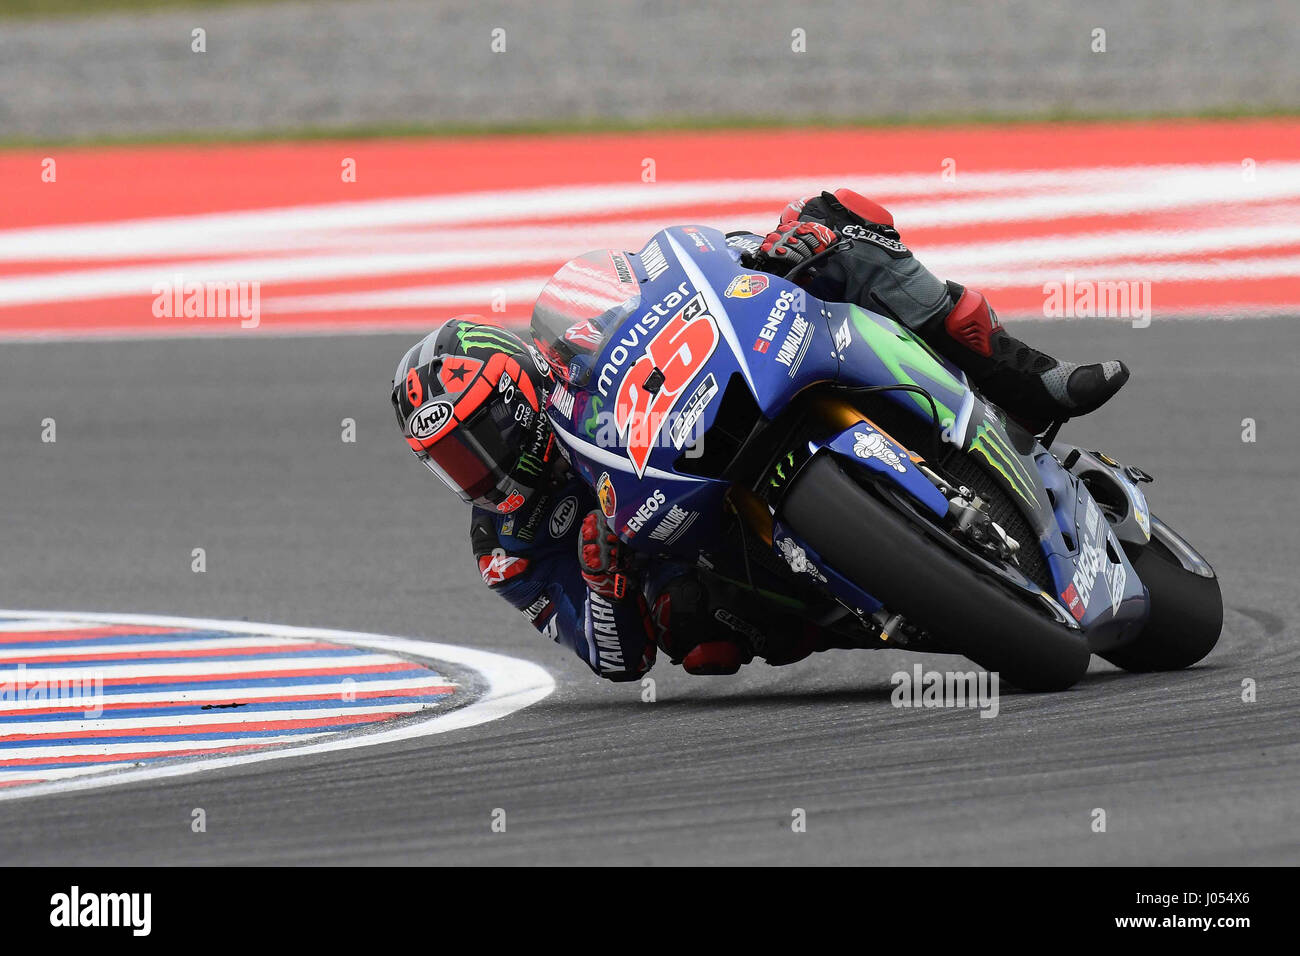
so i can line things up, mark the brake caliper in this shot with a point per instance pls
(974, 524)
(972, 521)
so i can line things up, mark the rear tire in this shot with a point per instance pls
(1185, 618)
(868, 542)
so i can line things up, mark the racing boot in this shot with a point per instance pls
(1031, 386)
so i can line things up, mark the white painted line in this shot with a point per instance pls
(53, 773)
(286, 711)
(1096, 248)
(512, 684)
(443, 237)
(360, 684)
(1068, 192)
(42, 287)
(54, 624)
(161, 648)
(161, 745)
(307, 661)
(410, 297)
(1210, 270)
(1150, 186)
(420, 324)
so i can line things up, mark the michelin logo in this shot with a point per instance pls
(875, 446)
(797, 558)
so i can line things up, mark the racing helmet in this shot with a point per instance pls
(470, 401)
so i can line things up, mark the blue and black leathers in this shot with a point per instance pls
(530, 558)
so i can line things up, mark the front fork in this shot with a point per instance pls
(841, 426)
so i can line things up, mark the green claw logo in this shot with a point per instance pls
(528, 465)
(780, 470)
(486, 337)
(993, 449)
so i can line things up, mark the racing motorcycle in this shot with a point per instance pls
(822, 454)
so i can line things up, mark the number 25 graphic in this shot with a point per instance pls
(679, 351)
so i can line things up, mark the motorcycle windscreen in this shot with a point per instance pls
(585, 301)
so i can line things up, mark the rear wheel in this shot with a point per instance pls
(870, 542)
(1185, 617)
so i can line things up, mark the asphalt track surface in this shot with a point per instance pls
(234, 445)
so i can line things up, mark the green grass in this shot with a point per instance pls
(59, 8)
(686, 124)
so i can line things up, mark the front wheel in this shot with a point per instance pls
(870, 543)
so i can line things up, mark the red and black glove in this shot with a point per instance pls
(601, 556)
(793, 243)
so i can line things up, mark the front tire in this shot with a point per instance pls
(870, 543)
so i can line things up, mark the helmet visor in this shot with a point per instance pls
(468, 459)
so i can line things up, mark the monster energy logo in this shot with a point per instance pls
(1008, 464)
(528, 464)
(486, 337)
(780, 470)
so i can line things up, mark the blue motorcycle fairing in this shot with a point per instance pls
(772, 340)
(1132, 524)
(1104, 594)
(777, 347)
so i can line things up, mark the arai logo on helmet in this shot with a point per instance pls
(427, 420)
(562, 516)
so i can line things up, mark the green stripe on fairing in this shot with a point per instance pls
(780, 469)
(910, 361)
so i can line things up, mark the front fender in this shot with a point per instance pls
(864, 446)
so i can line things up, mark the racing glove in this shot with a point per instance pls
(793, 243)
(602, 559)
